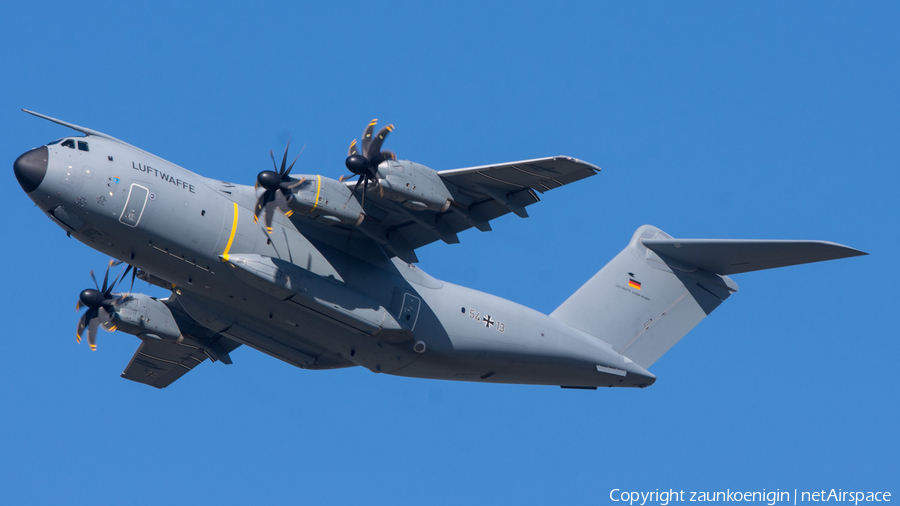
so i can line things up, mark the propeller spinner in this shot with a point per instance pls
(101, 303)
(278, 185)
(365, 163)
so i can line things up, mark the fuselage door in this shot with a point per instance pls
(134, 206)
(409, 311)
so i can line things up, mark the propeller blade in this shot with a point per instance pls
(78, 305)
(106, 277)
(288, 171)
(284, 160)
(104, 316)
(95, 280)
(122, 277)
(377, 141)
(365, 179)
(355, 187)
(269, 217)
(260, 202)
(85, 322)
(92, 333)
(79, 330)
(274, 163)
(367, 137)
(296, 183)
(263, 206)
(388, 155)
(352, 151)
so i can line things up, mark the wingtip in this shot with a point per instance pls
(847, 250)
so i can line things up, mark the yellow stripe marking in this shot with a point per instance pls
(318, 189)
(233, 231)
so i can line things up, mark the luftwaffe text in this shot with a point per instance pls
(162, 175)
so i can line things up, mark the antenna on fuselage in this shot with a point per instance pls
(85, 131)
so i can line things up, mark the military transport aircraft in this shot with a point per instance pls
(328, 277)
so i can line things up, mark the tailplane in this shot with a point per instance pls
(658, 288)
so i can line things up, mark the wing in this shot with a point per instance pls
(158, 363)
(541, 174)
(479, 195)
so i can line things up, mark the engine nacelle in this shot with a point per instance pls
(145, 315)
(413, 185)
(327, 200)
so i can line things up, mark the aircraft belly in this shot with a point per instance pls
(287, 331)
(474, 336)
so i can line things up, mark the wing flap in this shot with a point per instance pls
(734, 256)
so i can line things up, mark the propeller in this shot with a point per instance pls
(278, 185)
(101, 303)
(364, 163)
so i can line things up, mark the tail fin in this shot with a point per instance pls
(658, 288)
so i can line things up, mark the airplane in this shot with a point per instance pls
(328, 277)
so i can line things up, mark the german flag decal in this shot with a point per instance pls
(634, 284)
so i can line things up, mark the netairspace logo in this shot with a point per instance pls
(666, 497)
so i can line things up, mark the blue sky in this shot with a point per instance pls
(709, 119)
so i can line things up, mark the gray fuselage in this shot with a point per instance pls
(186, 231)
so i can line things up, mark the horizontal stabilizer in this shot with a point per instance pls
(733, 256)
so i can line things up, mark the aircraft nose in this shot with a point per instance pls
(31, 168)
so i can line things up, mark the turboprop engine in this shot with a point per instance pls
(145, 315)
(413, 185)
(327, 200)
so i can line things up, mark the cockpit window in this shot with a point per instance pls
(55, 142)
(69, 143)
(82, 146)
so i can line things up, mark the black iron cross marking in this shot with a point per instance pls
(488, 323)
(149, 373)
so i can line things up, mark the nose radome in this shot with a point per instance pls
(31, 168)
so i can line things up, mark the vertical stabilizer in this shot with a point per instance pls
(643, 304)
